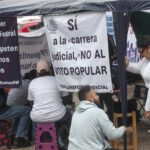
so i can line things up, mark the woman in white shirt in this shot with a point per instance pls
(143, 68)
(47, 100)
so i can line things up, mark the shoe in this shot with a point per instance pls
(20, 142)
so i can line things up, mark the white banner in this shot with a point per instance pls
(31, 50)
(132, 51)
(79, 51)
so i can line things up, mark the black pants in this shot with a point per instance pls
(107, 99)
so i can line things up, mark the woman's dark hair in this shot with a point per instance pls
(30, 75)
(82, 94)
(33, 74)
(26, 75)
(144, 42)
(43, 72)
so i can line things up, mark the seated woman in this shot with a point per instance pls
(47, 101)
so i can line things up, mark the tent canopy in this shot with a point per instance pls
(36, 7)
(140, 23)
(120, 8)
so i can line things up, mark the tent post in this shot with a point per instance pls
(121, 22)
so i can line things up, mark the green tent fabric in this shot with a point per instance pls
(140, 22)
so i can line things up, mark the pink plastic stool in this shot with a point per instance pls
(46, 137)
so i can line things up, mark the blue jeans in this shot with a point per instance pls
(21, 115)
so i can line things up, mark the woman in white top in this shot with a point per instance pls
(46, 97)
(143, 68)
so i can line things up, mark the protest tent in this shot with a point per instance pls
(121, 11)
(41, 7)
(140, 23)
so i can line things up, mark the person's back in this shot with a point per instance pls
(47, 100)
(85, 133)
(18, 96)
(46, 97)
(90, 125)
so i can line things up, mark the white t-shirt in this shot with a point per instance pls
(47, 99)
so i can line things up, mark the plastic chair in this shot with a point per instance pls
(140, 94)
